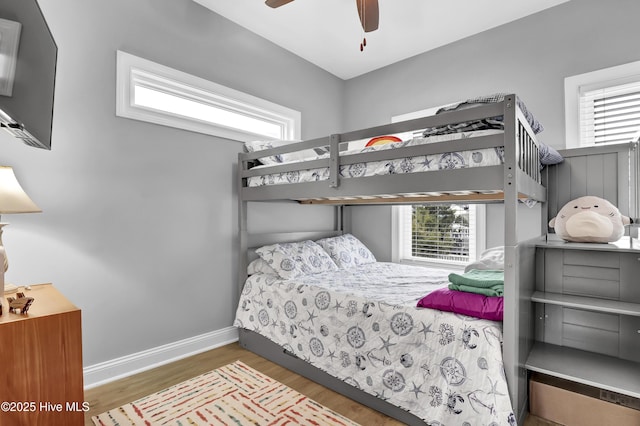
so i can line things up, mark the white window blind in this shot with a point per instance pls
(441, 233)
(610, 114)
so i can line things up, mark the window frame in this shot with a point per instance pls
(132, 71)
(401, 237)
(606, 77)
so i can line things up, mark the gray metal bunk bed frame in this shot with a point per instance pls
(517, 178)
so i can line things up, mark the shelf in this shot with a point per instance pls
(624, 245)
(601, 371)
(589, 303)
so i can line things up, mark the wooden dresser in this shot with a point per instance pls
(41, 379)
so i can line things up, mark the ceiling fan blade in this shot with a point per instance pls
(276, 3)
(368, 11)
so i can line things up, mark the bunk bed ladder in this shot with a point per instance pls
(519, 255)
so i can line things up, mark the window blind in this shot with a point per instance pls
(610, 114)
(439, 232)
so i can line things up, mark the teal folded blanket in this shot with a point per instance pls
(486, 282)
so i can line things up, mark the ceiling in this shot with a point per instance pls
(328, 32)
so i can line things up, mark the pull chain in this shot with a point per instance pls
(363, 43)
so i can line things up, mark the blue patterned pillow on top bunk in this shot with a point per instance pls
(287, 157)
(548, 155)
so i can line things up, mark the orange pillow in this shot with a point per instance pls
(383, 140)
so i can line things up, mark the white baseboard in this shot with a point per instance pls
(108, 371)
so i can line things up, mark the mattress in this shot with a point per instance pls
(447, 160)
(362, 326)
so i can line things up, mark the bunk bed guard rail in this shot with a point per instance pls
(523, 146)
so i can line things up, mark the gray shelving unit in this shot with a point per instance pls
(587, 304)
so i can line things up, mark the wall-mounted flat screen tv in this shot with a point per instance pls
(27, 72)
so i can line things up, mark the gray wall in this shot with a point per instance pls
(530, 57)
(139, 217)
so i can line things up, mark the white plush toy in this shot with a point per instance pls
(589, 220)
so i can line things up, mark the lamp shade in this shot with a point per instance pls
(13, 199)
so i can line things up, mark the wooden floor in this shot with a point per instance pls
(129, 389)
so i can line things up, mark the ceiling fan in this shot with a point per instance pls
(367, 10)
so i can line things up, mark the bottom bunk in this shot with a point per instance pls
(354, 325)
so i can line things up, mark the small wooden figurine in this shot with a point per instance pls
(20, 305)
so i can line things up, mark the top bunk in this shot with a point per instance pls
(481, 150)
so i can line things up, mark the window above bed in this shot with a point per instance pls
(445, 234)
(437, 234)
(151, 92)
(603, 106)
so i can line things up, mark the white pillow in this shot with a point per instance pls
(490, 259)
(347, 251)
(289, 157)
(258, 266)
(291, 260)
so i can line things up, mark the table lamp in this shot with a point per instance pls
(13, 199)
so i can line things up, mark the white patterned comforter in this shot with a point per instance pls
(363, 327)
(422, 163)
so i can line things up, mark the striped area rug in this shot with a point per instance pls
(234, 394)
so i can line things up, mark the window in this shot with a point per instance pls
(154, 93)
(439, 233)
(450, 234)
(610, 114)
(603, 106)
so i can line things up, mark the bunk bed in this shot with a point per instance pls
(515, 177)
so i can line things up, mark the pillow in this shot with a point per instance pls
(467, 126)
(290, 260)
(460, 302)
(590, 219)
(536, 126)
(362, 143)
(548, 155)
(490, 259)
(347, 251)
(258, 265)
(288, 157)
(383, 140)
